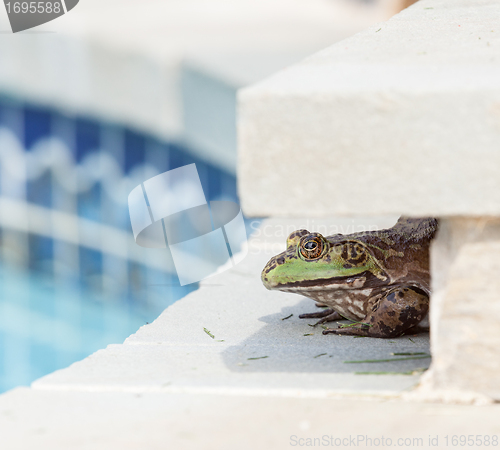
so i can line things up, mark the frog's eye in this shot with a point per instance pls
(294, 237)
(312, 248)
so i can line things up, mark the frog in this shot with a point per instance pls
(380, 280)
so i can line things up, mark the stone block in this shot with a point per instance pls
(402, 118)
(465, 307)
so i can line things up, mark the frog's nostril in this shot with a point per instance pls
(280, 260)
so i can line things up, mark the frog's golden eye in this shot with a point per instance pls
(312, 248)
(295, 237)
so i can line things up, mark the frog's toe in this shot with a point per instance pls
(330, 318)
(417, 329)
(328, 315)
(321, 305)
(315, 315)
(348, 331)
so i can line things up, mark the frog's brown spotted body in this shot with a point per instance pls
(379, 278)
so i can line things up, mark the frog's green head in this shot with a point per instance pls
(311, 260)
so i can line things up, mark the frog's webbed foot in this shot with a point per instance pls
(396, 312)
(327, 315)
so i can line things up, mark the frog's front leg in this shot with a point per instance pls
(395, 312)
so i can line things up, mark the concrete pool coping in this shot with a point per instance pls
(172, 382)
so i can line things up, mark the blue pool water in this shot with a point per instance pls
(72, 279)
(46, 326)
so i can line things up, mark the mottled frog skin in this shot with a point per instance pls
(379, 279)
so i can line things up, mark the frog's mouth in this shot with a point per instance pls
(362, 280)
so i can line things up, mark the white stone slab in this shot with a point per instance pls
(403, 118)
(48, 420)
(176, 354)
(287, 371)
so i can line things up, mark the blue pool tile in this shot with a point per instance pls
(87, 136)
(91, 268)
(135, 149)
(228, 186)
(157, 155)
(12, 117)
(41, 254)
(112, 142)
(176, 157)
(37, 125)
(40, 191)
(89, 203)
(214, 184)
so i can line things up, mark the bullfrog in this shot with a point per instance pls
(378, 279)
